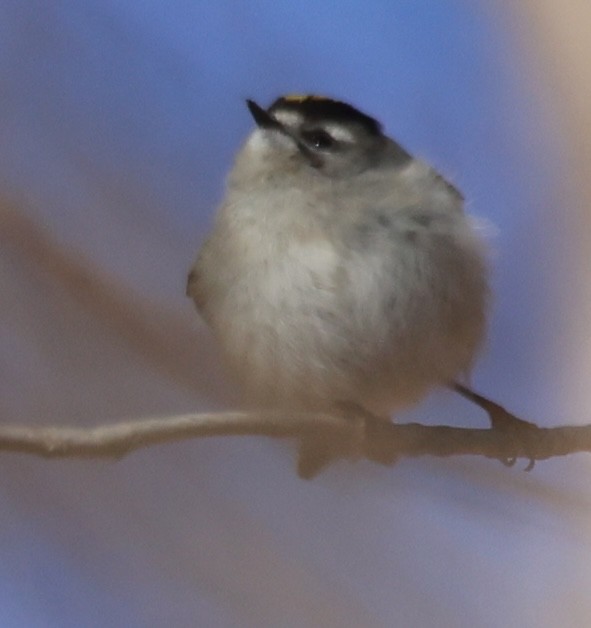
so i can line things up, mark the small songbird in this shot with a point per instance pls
(340, 268)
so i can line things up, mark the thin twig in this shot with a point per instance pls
(411, 439)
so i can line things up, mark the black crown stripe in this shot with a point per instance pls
(322, 109)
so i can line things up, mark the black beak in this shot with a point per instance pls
(262, 118)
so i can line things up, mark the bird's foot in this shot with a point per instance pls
(504, 421)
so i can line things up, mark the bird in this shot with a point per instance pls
(341, 271)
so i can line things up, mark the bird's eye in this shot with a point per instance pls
(318, 139)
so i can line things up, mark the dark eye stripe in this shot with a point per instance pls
(318, 139)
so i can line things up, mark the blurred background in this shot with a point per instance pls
(118, 122)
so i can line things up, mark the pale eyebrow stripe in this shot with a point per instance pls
(289, 118)
(339, 133)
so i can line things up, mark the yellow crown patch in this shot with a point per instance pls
(302, 97)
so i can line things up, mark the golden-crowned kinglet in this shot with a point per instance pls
(340, 268)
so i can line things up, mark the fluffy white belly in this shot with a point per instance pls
(318, 325)
(281, 333)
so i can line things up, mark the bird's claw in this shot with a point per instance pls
(504, 421)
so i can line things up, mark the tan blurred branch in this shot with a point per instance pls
(389, 440)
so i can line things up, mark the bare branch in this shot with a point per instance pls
(388, 440)
(118, 439)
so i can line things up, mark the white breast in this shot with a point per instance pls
(377, 321)
(273, 326)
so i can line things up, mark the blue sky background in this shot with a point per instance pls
(119, 122)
